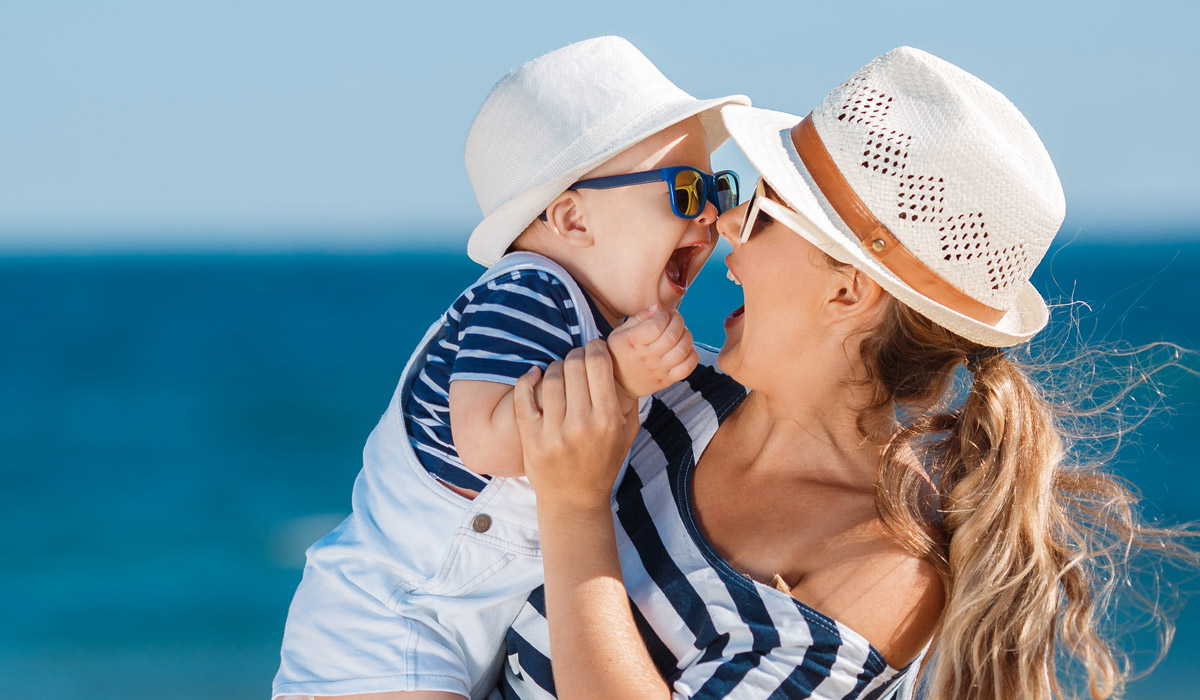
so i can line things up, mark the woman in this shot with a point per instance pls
(853, 508)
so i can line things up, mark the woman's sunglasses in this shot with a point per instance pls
(690, 188)
(759, 202)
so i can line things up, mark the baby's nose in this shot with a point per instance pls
(729, 224)
(707, 215)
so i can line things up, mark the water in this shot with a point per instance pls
(176, 430)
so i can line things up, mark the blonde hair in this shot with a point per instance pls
(1030, 544)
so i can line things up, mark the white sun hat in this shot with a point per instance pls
(557, 117)
(925, 178)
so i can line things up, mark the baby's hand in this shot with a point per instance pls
(651, 351)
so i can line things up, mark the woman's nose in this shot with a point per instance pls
(729, 224)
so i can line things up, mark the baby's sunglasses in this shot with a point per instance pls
(690, 188)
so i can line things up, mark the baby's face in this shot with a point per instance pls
(643, 253)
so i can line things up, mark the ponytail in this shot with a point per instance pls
(1029, 547)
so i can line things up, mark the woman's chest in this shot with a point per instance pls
(696, 611)
(768, 521)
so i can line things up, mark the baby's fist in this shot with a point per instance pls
(651, 350)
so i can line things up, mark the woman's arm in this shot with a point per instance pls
(574, 446)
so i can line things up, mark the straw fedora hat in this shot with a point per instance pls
(929, 181)
(557, 117)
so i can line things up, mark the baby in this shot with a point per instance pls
(591, 168)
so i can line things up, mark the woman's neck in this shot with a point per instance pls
(817, 431)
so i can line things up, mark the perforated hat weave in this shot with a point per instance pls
(559, 116)
(942, 160)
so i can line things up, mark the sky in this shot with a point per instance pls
(304, 125)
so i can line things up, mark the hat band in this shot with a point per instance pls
(876, 237)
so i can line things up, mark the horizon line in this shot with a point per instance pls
(1108, 239)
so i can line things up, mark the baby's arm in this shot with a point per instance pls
(509, 324)
(484, 427)
(650, 351)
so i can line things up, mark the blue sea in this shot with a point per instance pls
(176, 429)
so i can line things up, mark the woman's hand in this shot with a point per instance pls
(575, 443)
(574, 446)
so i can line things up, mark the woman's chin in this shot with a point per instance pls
(723, 362)
(727, 357)
(730, 357)
(734, 319)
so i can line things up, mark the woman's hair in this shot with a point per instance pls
(982, 480)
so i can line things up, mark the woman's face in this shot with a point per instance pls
(784, 280)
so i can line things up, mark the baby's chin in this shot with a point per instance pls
(661, 292)
(670, 295)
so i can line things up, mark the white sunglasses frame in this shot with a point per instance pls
(775, 210)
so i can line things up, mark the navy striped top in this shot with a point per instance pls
(711, 631)
(494, 332)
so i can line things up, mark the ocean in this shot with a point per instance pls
(176, 429)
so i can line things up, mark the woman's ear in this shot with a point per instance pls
(566, 220)
(854, 295)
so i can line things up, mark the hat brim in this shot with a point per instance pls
(492, 237)
(765, 138)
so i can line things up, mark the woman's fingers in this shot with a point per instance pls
(579, 400)
(554, 397)
(601, 386)
(574, 446)
(528, 415)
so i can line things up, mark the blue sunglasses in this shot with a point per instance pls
(690, 188)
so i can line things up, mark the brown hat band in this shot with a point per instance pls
(876, 237)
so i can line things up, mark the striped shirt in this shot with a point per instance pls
(711, 631)
(494, 332)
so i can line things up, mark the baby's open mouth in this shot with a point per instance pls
(679, 267)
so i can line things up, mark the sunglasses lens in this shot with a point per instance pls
(727, 191)
(687, 193)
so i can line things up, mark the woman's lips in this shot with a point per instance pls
(730, 274)
(736, 316)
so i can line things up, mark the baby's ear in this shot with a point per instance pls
(566, 220)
